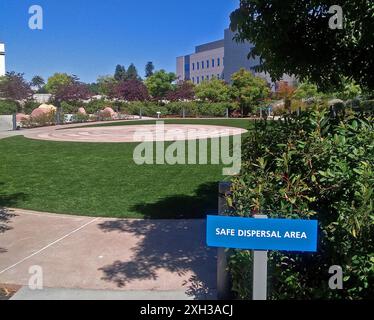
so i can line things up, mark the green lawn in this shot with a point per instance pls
(102, 179)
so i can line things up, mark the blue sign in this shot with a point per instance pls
(262, 234)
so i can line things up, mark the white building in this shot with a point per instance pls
(2, 59)
(205, 64)
(221, 59)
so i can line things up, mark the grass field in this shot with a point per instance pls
(101, 179)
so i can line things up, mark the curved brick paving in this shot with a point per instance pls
(134, 133)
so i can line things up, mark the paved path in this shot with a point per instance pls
(137, 133)
(107, 254)
(35, 131)
(26, 293)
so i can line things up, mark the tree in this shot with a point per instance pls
(130, 90)
(120, 73)
(184, 91)
(160, 83)
(38, 82)
(13, 86)
(58, 80)
(214, 90)
(94, 88)
(132, 73)
(149, 69)
(306, 90)
(350, 90)
(294, 37)
(248, 90)
(105, 84)
(73, 91)
(285, 92)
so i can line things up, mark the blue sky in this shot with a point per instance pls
(90, 37)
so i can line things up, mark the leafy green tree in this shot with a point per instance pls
(38, 82)
(248, 90)
(94, 88)
(149, 69)
(294, 37)
(214, 90)
(120, 73)
(160, 83)
(58, 80)
(105, 84)
(350, 90)
(132, 73)
(306, 90)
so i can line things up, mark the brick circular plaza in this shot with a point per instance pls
(133, 133)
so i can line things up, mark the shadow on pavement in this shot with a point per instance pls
(6, 215)
(176, 246)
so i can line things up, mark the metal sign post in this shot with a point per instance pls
(260, 271)
(260, 235)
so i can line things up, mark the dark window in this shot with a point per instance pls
(207, 64)
(202, 64)
(212, 63)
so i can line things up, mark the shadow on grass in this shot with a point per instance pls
(6, 215)
(182, 206)
(175, 246)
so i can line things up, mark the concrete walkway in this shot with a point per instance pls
(44, 130)
(80, 294)
(132, 256)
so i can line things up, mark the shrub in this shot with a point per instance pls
(366, 107)
(176, 109)
(8, 107)
(311, 167)
(95, 106)
(79, 117)
(68, 108)
(215, 109)
(45, 119)
(30, 106)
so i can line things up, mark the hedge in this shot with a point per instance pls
(311, 167)
(8, 107)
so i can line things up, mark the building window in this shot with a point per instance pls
(193, 66)
(218, 76)
(207, 64)
(207, 77)
(202, 64)
(193, 79)
(202, 78)
(198, 65)
(218, 62)
(197, 80)
(212, 63)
